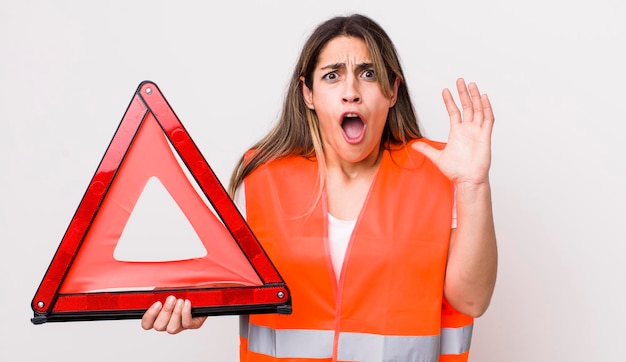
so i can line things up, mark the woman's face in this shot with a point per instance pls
(348, 101)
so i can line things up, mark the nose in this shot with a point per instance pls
(351, 91)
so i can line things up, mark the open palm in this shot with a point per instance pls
(467, 155)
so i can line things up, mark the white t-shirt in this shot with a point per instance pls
(339, 231)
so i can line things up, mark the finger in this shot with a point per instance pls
(187, 318)
(488, 112)
(163, 319)
(147, 321)
(487, 109)
(427, 150)
(453, 110)
(175, 324)
(466, 101)
(190, 322)
(476, 102)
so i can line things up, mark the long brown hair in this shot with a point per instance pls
(297, 131)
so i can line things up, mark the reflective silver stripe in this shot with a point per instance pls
(303, 343)
(290, 343)
(374, 347)
(456, 340)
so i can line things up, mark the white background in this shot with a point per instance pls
(554, 70)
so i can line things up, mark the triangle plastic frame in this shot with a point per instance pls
(50, 304)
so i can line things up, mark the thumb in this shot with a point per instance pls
(426, 149)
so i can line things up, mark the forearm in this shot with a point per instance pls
(472, 257)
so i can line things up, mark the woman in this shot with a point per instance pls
(357, 211)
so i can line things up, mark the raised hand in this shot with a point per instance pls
(467, 155)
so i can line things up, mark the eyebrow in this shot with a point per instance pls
(359, 66)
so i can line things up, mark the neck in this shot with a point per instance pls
(347, 185)
(352, 170)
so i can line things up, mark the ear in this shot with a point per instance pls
(307, 94)
(394, 92)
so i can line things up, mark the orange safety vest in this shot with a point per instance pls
(387, 305)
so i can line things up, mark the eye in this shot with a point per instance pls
(369, 74)
(330, 77)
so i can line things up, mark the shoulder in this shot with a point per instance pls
(290, 168)
(289, 162)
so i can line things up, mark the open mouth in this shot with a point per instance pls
(353, 127)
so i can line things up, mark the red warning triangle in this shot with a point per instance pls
(93, 276)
